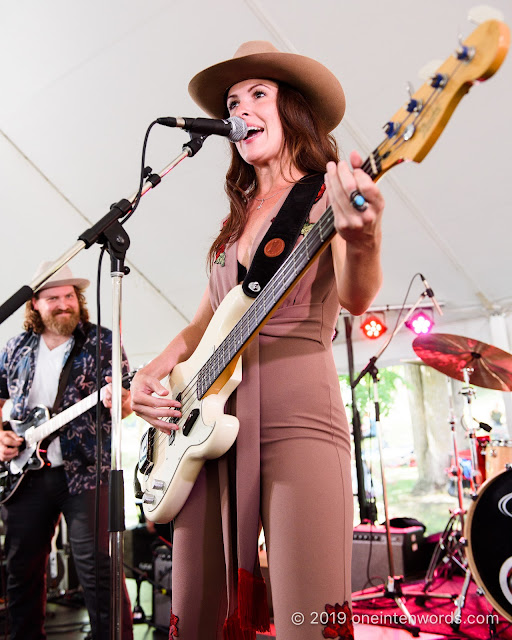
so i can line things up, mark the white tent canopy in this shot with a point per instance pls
(81, 81)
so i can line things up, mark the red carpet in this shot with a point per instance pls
(435, 615)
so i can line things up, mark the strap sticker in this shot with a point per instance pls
(274, 247)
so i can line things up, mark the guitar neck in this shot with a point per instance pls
(58, 421)
(268, 300)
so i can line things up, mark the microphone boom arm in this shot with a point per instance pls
(97, 232)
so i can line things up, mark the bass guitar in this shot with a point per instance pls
(38, 430)
(169, 464)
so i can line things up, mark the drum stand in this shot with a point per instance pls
(450, 550)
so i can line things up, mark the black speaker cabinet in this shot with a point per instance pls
(370, 546)
(162, 573)
(138, 543)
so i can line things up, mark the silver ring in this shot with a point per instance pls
(357, 201)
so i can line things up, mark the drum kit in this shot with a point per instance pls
(478, 541)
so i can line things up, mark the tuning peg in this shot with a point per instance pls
(413, 106)
(429, 69)
(483, 12)
(464, 53)
(391, 128)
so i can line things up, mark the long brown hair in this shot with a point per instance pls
(33, 321)
(308, 149)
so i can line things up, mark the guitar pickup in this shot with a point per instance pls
(189, 422)
(146, 451)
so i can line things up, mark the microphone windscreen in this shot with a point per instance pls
(238, 130)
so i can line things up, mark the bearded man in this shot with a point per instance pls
(33, 372)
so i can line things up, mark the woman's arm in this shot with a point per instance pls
(147, 381)
(356, 248)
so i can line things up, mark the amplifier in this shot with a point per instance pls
(370, 546)
(137, 549)
(162, 574)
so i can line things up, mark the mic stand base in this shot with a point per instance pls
(393, 591)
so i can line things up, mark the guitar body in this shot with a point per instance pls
(170, 464)
(38, 430)
(31, 457)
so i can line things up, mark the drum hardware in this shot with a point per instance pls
(486, 366)
(450, 550)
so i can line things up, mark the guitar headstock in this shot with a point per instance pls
(415, 127)
(128, 377)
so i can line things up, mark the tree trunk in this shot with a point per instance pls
(429, 408)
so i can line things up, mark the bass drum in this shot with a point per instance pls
(489, 535)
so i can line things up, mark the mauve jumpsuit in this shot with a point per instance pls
(292, 470)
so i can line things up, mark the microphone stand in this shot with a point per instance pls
(109, 231)
(393, 587)
(367, 508)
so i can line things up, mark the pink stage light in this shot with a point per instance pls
(420, 323)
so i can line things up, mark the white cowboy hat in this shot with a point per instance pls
(62, 278)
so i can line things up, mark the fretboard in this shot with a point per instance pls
(267, 301)
(58, 421)
(280, 284)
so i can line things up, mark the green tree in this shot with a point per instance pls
(388, 379)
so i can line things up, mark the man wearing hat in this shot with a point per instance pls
(33, 372)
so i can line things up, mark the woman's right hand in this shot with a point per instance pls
(150, 401)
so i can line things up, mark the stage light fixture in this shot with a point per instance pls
(420, 322)
(373, 325)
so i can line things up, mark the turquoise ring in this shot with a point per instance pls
(357, 201)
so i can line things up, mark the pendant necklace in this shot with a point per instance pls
(262, 200)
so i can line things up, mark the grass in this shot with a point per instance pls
(432, 509)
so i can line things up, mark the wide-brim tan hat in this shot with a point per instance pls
(62, 278)
(260, 59)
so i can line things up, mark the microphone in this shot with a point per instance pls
(430, 294)
(234, 129)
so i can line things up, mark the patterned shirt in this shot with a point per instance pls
(78, 437)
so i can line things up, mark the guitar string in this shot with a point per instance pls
(237, 333)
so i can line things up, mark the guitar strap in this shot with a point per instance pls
(80, 338)
(282, 235)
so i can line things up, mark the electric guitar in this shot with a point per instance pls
(169, 464)
(37, 430)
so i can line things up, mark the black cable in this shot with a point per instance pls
(403, 304)
(144, 172)
(3, 592)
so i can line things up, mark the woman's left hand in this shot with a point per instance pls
(354, 226)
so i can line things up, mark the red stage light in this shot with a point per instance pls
(373, 326)
(420, 322)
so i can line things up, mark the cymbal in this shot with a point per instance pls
(450, 354)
